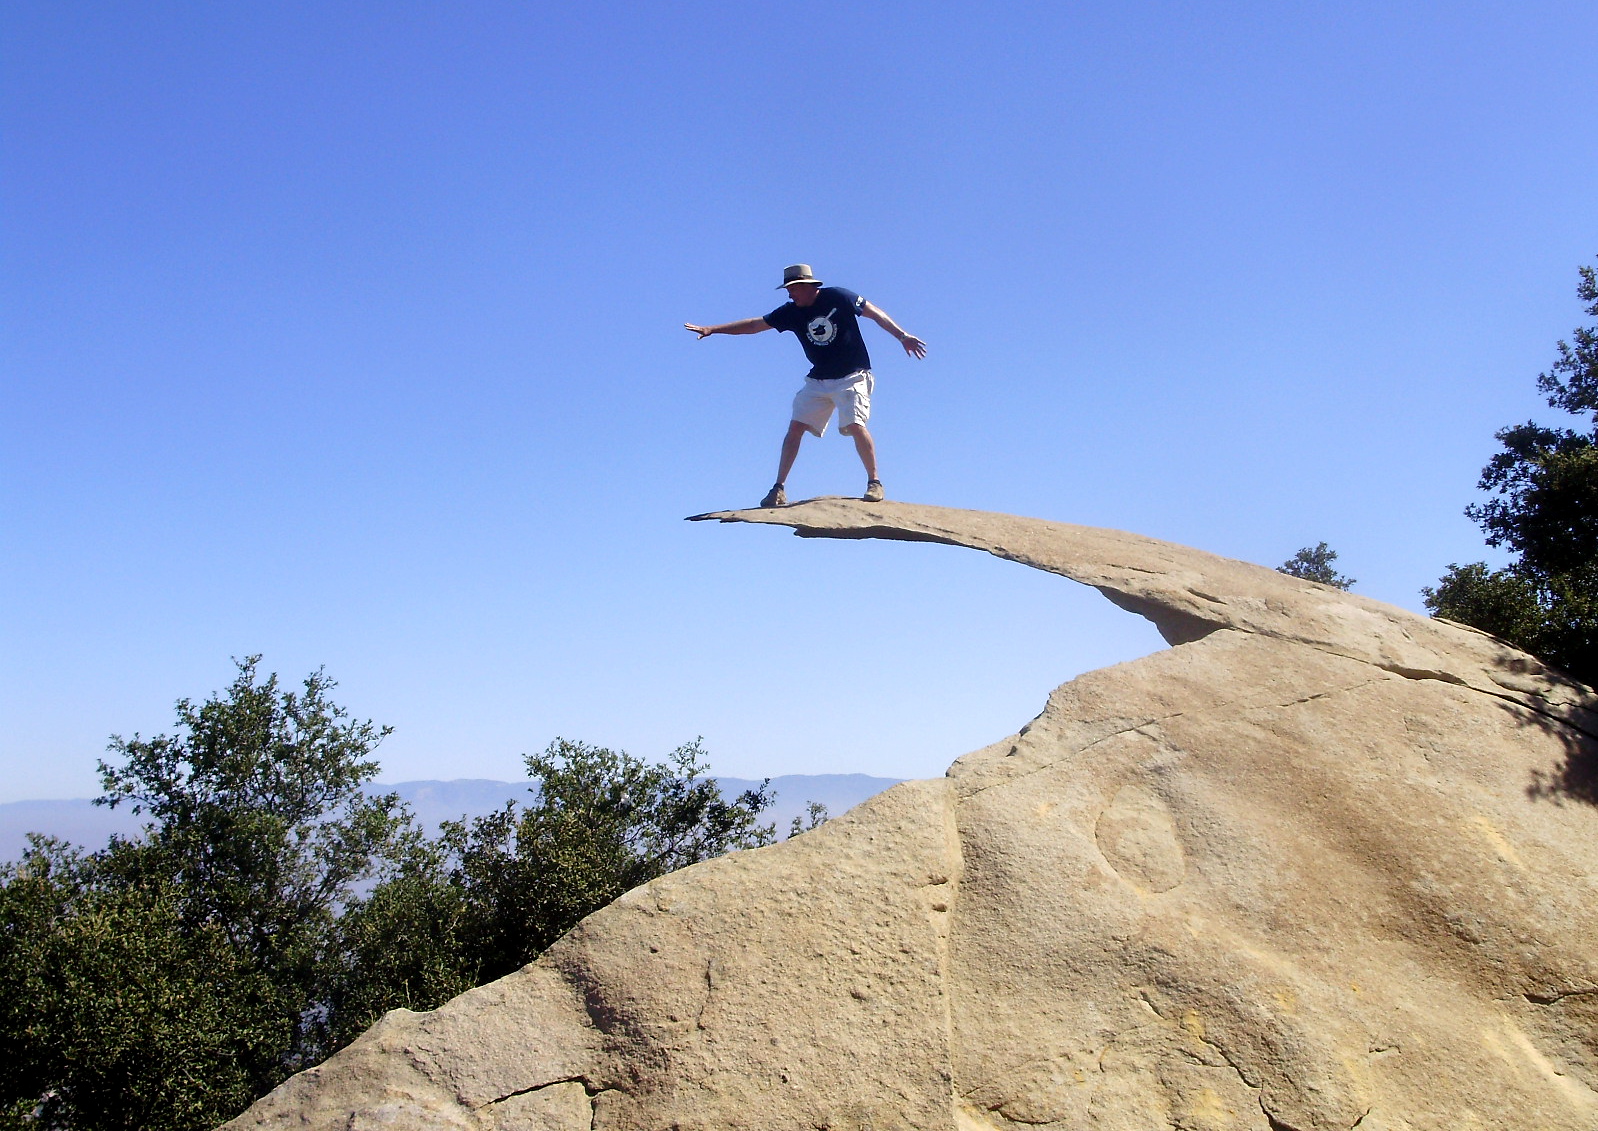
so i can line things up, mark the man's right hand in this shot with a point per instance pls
(703, 331)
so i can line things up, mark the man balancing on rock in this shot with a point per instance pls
(823, 319)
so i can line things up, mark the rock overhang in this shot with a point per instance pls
(1188, 594)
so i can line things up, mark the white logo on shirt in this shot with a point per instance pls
(822, 330)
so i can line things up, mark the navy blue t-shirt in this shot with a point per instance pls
(828, 330)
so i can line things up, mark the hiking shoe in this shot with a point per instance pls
(873, 491)
(776, 497)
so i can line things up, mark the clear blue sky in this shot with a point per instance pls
(350, 333)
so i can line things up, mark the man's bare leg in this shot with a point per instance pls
(864, 447)
(790, 449)
(777, 497)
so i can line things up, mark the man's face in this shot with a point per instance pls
(803, 294)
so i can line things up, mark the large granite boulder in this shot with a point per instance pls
(1323, 864)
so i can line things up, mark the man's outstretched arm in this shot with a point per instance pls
(743, 326)
(913, 345)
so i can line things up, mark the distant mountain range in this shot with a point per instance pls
(88, 825)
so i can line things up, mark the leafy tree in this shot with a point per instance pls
(507, 885)
(1544, 510)
(815, 816)
(257, 808)
(168, 980)
(165, 982)
(401, 946)
(1501, 602)
(1314, 563)
(600, 823)
(115, 1012)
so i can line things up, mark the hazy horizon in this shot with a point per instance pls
(81, 822)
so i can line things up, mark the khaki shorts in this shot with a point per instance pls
(849, 394)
